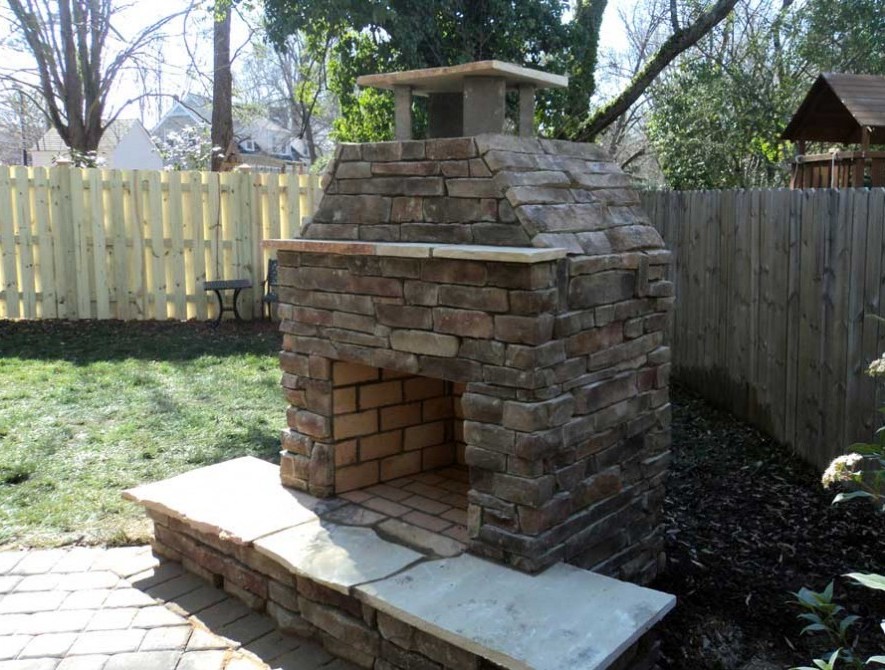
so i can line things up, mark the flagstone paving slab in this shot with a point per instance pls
(86, 608)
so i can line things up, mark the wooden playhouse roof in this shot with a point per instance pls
(837, 107)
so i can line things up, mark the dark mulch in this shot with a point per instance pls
(747, 523)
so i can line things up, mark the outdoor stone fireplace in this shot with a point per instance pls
(492, 301)
(474, 358)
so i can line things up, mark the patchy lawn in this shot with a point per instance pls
(91, 408)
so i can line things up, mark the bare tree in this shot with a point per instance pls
(290, 85)
(79, 55)
(21, 125)
(222, 86)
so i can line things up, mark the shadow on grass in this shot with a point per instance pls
(85, 342)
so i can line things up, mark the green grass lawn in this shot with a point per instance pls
(88, 409)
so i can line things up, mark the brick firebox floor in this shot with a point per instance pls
(427, 511)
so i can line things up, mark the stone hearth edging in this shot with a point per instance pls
(380, 604)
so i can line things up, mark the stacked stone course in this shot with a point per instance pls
(559, 362)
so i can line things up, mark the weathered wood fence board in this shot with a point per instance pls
(112, 244)
(774, 295)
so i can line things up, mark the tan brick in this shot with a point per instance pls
(427, 521)
(345, 453)
(400, 465)
(438, 408)
(381, 445)
(381, 394)
(424, 435)
(352, 373)
(437, 456)
(421, 388)
(400, 416)
(355, 425)
(356, 476)
(344, 400)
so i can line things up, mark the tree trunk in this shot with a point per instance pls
(222, 91)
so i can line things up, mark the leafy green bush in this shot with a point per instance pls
(863, 471)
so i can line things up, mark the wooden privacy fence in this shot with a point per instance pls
(124, 244)
(774, 290)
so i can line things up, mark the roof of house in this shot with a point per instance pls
(838, 107)
(52, 141)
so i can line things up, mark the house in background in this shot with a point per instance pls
(125, 145)
(258, 141)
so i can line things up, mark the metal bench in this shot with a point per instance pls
(270, 284)
(218, 286)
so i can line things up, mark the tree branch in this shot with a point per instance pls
(676, 44)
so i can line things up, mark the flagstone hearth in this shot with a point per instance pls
(326, 568)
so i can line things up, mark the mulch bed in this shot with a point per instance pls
(748, 523)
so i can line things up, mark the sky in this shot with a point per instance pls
(178, 74)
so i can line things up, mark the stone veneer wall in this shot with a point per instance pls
(343, 624)
(386, 424)
(566, 406)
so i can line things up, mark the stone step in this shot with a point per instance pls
(565, 617)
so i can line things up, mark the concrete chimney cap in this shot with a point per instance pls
(451, 79)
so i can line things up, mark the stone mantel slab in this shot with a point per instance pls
(239, 500)
(565, 617)
(525, 255)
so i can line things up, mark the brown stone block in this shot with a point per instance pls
(356, 476)
(446, 271)
(310, 423)
(533, 492)
(400, 465)
(484, 351)
(485, 299)
(599, 487)
(486, 459)
(410, 168)
(455, 169)
(489, 436)
(528, 357)
(340, 625)
(296, 442)
(409, 268)
(293, 465)
(348, 209)
(404, 316)
(524, 329)
(421, 293)
(400, 416)
(441, 233)
(423, 342)
(524, 277)
(460, 148)
(596, 339)
(478, 407)
(355, 425)
(461, 322)
(447, 655)
(407, 209)
(295, 364)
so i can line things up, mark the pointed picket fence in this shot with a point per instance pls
(129, 244)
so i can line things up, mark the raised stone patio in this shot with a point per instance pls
(331, 569)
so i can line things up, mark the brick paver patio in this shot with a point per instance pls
(121, 609)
